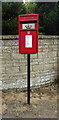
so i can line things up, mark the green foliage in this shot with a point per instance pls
(10, 27)
(48, 16)
(30, 7)
(10, 11)
(50, 21)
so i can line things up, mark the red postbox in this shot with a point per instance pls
(28, 33)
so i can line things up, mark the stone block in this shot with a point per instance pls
(12, 70)
(34, 63)
(17, 56)
(22, 68)
(54, 53)
(0, 37)
(33, 56)
(48, 66)
(55, 41)
(38, 67)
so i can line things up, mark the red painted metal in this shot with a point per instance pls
(28, 33)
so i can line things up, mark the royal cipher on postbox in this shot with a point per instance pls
(28, 33)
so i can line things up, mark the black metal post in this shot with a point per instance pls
(28, 79)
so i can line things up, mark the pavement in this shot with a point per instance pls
(43, 103)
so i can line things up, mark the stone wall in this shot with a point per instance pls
(14, 65)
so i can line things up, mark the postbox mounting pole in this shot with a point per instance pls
(28, 78)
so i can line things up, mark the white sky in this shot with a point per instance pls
(28, 1)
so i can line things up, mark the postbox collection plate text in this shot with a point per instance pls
(28, 41)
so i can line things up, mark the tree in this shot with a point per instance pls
(57, 18)
(51, 21)
(30, 7)
(10, 12)
(48, 16)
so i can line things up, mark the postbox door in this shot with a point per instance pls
(28, 42)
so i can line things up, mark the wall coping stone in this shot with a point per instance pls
(14, 37)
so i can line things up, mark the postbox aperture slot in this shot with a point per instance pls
(35, 21)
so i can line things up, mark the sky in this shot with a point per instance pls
(29, 0)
